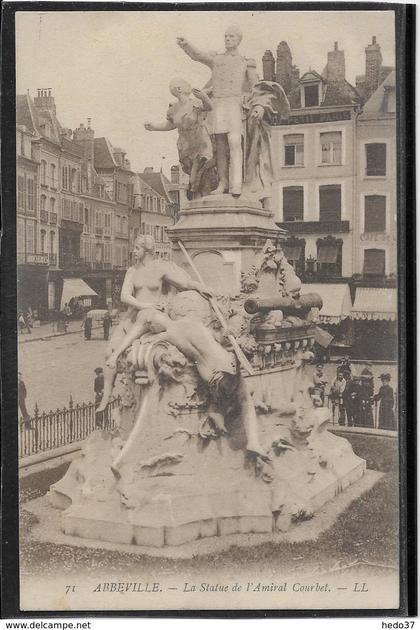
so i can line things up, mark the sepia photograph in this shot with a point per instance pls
(207, 313)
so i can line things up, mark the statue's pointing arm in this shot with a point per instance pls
(196, 55)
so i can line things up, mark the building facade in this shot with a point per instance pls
(335, 185)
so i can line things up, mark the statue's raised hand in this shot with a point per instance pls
(182, 42)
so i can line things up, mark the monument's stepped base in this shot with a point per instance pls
(175, 520)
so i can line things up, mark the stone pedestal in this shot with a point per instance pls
(223, 236)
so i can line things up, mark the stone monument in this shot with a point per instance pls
(217, 431)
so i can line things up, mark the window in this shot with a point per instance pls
(311, 95)
(53, 183)
(31, 195)
(20, 245)
(330, 203)
(21, 193)
(294, 251)
(293, 149)
(293, 203)
(30, 237)
(66, 208)
(42, 201)
(143, 228)
(329, 257)
(331, 147)
(107, 230)
(375, 213)
(42, 244)
(43, 172)
(124, 225)
(374, 262)
(52, 242)
(107, 252)
(52, 204)
(376, 159)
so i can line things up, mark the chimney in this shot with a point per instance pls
(373, 67)
(175, 173)
(44, 100)
(336, 66)
(284, 66)
(84, 137)
(268, 64)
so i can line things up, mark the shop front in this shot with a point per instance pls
(374, 315)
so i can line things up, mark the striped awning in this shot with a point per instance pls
(375, 303)
(335, 298)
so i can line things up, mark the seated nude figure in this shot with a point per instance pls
(217, 367)
(144, 287)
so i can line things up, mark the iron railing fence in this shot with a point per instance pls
(49, 430)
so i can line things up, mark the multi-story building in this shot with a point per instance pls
(32, 260)
(114, 168)
(374, 310)
(150, 216)
(73, 223)
(159, 207)
(322, 193)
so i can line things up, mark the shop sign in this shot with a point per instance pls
(378, 237)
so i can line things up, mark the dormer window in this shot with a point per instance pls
(311, 94)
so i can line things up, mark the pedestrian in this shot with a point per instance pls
(337, 400)
(366, 401)
(22, 393)
(385, 397)
(351, 398)
(107, 323)
(66, 316)
(87, 327)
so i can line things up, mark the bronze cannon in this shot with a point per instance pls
(288, 305)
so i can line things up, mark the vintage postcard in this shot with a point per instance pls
(208, 389)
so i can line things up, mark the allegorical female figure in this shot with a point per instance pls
(145, 285)
(194, 143)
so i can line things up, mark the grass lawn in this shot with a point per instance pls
(366, 531)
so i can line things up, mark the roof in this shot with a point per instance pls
(33, 119)
(341, 93)
(336, 301)
(103, 154)
(336, 93)
(376, 104)
(375, 303)
(159, 182)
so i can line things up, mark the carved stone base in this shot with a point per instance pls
(223, 235)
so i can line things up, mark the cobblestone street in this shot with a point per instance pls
(57, 367)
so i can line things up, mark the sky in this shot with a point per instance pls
(115, 66)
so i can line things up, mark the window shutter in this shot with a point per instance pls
(293, 203)
(330, 203)
(374, 262)
(375, 213)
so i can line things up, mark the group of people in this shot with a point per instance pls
(88, 323)
(352, 397)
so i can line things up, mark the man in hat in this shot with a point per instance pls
(351, 398)
(385, 396)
